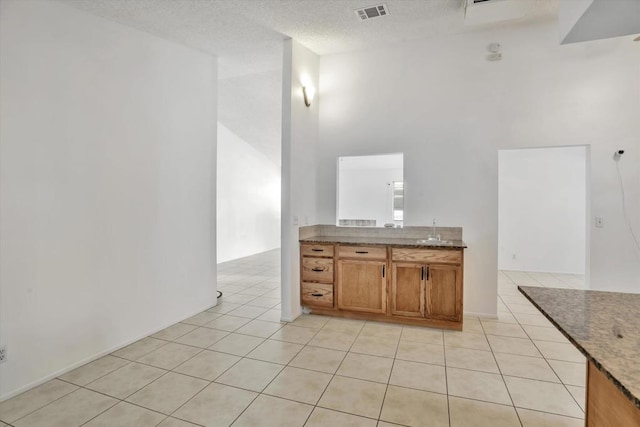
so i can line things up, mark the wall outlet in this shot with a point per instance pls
(513, 256)
(3, 353)
(599, 222)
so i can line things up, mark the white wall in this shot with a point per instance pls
(108, 187)
(299, 166)
(248, 206)
(367, 194)
(542, 209)
(450, 111)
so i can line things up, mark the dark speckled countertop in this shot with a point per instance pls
(604, 326)
(392, 241)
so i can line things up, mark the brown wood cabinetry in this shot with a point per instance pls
(606, 405)
(317, 274)
(379, 282)
(407, 289)
(427, 283)
(444, 292)
(362, 285)
(361, 279)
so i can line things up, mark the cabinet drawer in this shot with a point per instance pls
(317, 294)
(443, 256)
(363, 252)
(317, 269)
(316, 250)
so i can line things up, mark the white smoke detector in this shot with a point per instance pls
(495, 54)
(372, 12)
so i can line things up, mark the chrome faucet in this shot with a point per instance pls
(433, 235)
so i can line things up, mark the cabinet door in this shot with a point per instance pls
(407, 289)
(362, 286)
(444, 292)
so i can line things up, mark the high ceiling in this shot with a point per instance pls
(247, 36)
(227, 27)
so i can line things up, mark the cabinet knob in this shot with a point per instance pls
(316, 269)
(317, 250)
(316, 294)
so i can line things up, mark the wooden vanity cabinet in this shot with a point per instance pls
(361, 279)
(426, 283)
(317, 274)
(407, 289)
(409, 285)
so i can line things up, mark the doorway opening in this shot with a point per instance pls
(543, 216)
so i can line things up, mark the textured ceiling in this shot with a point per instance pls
(229, 27)
(247, 36)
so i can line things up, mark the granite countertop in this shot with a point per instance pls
(392, 241)
(604, 326)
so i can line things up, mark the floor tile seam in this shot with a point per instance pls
(101, 412)
(259, 306)
(468, 348)
(550, 413)
(47, 404)
(264, 392)
(270, 361)
(469, 369)
(143, 387)
(233, 354)
(417, 361)
(222, 330)
(374, 355)
(340, 364)
(303, 345)
(180, 406)
(504, 382)
(128, 403)
(561, 382)
(566, 386)
(258, 394)
(347, 413)
(165, 369)
(97, 378)
(508, 336)
(181, 419)
(446, 379)
(418, 342)
(178, 323)
(186, 345)
(150, 351)
(544, 357)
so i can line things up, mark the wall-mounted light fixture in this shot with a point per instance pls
(308, 92)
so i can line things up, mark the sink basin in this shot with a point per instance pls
(434, 242)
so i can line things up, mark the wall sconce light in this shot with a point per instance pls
(308, 92)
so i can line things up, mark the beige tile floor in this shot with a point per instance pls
(236, 364)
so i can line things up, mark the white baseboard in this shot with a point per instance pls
(91, 358)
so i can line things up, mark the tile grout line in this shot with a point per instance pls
(503, 380)
(545, 359)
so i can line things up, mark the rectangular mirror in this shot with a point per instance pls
(370, 190)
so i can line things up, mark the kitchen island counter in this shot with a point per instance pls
(605, 327)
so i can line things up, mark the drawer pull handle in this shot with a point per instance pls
(317, 269)
(317, 250)
(362, 252)
(317, 294)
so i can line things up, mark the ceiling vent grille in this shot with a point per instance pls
(372, 12)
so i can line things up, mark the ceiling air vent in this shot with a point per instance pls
(372, 12)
